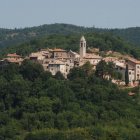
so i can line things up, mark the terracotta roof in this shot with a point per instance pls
(58, 50)
(14, 60)
(110, 59)
(13, 55)
(134, 60)
(92, 56)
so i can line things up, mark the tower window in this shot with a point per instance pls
(84, 44)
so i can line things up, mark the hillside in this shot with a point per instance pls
(103, 41)
(9, 37)
(34, 105)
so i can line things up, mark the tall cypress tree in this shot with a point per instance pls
(126, 76)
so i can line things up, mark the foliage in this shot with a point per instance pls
(59, 76)
(15, 36)
(107, 70)
(126, 76)
(68, 38)
(34, 105)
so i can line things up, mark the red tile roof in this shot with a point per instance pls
(57, 50)
(14, 60)
(134, 60)
(13, 55)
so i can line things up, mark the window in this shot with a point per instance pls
(84, 44)
(129, 73)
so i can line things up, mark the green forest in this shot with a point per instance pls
(103, 41)
(10, 37)
(34, 105)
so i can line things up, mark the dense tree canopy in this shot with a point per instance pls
(15, 36)
(34, 105)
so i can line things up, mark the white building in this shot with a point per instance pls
(56, 65)
(135, 65)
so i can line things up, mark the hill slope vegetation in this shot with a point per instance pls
(34, 105)
(10, 37)
(103, 41)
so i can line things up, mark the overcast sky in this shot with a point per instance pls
(98, 13)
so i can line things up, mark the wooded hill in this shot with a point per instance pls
(103, 41)
(9, 37)
(34, 105)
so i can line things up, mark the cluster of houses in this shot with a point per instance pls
(57, 59)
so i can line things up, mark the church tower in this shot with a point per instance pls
(82, 47)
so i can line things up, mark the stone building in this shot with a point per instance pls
(13, 58)
(84, 56)
(56, 65)
(135, 65)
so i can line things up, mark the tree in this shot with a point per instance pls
(107, 70)
(59, 76)
(31, 70)
(75, 73)
(101, 69)
(87, 68)
(126, 76)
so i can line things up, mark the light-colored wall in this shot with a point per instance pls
(137, 72)
(82, 49)
(131, 75)
(54, 68)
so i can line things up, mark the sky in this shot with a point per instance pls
(88, 13)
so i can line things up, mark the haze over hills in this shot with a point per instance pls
(10, 37)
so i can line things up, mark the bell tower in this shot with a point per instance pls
(82, 47)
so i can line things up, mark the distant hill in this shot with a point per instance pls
(10, 37)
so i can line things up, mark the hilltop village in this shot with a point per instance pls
(57, 59)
